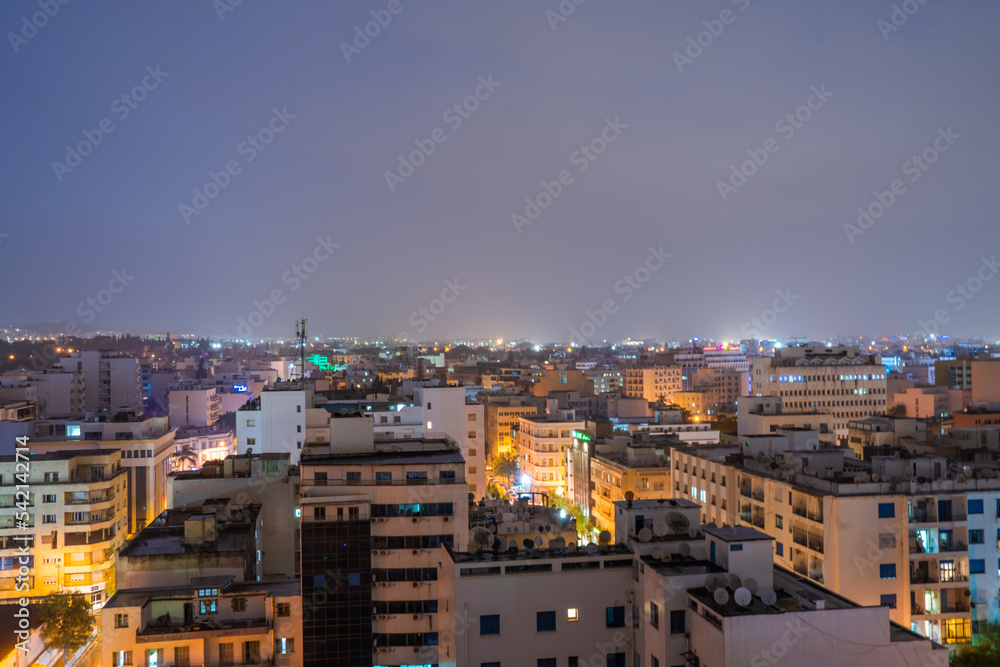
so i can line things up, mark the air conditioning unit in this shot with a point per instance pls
(384, 553)
(414, 551)
(374, 552)
(447, 518)
(415, 519)
(416, 616)
(415, 584)
(384, 617)
(374, 519)
(381, 519)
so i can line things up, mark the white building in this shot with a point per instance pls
(111, 380)
(274, 422)
(190, 405)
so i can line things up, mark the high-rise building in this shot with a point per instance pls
(542, 441)
(111, 380)
(373, 518)
(78, 519)
(502, 414)
(839, 380)
(655, 383)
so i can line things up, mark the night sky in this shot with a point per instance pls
(622, 131)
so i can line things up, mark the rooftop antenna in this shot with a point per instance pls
(300, 341)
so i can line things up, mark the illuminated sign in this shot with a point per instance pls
(580, 435)
(323, 363)
(240, 387)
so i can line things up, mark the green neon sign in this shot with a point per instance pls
(580, 435)
(323, 363)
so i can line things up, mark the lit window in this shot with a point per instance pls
(572, 614)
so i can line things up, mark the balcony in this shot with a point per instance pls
(157, 631)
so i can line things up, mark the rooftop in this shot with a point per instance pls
(446, 454)
(736, 533)
(569, 551)
(652, 503)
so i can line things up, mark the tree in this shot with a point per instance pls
(898, 410)
(67, 620)
(188, 454)
(984, 650)
(506, 466)
(726, 424)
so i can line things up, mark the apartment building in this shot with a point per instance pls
(766, 414)
(146, 445)
(552, 378)
(621, 466)
(502, 415)
(77, 521)
(881, 434)
(655, 384)
(191, 405)
(925, 402)
(111, 380)
(60, 392)
(275, 422)
(194, 446)
(373, 520)
(669, 591)
(542, 441)
(268, 480)
(840, 381)
(891, 531)
(211, 620)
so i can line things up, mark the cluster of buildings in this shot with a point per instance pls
(709, 506)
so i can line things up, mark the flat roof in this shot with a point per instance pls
(652, 503)
(541, 554)
(386, 458)
(137, 597)
(678, 567)
(736, 533)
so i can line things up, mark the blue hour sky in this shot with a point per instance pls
(501, 168)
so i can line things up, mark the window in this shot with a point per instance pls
(616, 660)
(546, 662)
(677, 622)
(428, 406)
(284, 609)
(654, 661)
(545, 621)
(286, 645)
(51, 477)
(298, 428)
(123, 658)
(239, 604)
(353, 476)
(48, 518)
(976, 536)
(886, 510)
(489, 625)
(977, 566)
(572, 614)
(472, 416)
(383, 477)
(208, 606)
(654, 615)
(416, 477)
(779, 521)
(887, 571)
(447, 475)
(251, 423)
(889, 601)
(975, 505)
(182, 656)
(573, 661)
(490, 664)
(779, 549)
(49, 498)
(121, 620)
(616, 617)
(298, 408)
(319, 513)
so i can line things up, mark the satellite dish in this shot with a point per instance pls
(538, 540)
(558, 542)
(857, 480)
(768, 596)
(604, 538)
(528, 544)
(866, 478)
(666, 558)
(743, 597)
(710, 583)
(685, 549)
(734, 581)
(751, 585)
(571, 547)
(657, 553)
(678, 522)
(660, 528)
(645, 535)
(874, 477)
(711, 524)
(693, 533)
(721, 596)
(629, 496)
(719, 581)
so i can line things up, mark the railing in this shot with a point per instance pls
(758, 495)
(816, 543)
(745, 492)
(800, 511)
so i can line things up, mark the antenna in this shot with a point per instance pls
(300, 341)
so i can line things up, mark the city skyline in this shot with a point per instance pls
(484, 157)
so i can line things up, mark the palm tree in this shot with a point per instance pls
(188, 454)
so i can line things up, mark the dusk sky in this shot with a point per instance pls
(662, 120)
